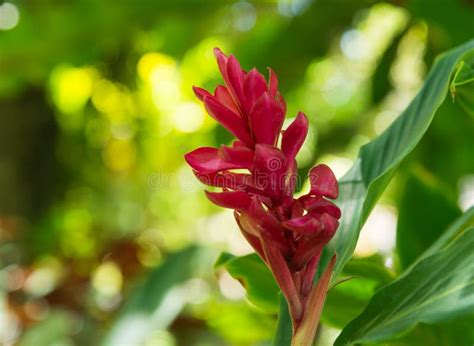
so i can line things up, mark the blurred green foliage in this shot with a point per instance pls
(96, 112)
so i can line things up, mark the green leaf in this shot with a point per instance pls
(418, 227)
(235, 321)
(372, 267)
(283, 332)
(158, 300)
(361, 187)
(438, 287)
(377, 161)
(347, 300)
(254, 275)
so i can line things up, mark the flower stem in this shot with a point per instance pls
(306, 330)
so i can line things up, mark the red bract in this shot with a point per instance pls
(289, 234)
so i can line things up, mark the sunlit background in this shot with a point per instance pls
(96, 112)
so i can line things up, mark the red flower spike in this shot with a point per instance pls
(288, 234)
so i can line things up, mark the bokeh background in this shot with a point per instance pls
(96, 112)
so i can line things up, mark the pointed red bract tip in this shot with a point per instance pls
(272, 82)
(218, 52)
(254, 86)
(235, 80)
(221, 62)
(323, 182)
(294, 136)
(201, 93)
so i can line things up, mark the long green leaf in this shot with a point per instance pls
(377, 161)
(436, 288)
(154, 304)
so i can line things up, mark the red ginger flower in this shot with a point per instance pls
(289, 234)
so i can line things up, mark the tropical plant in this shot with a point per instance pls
(289, 234)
